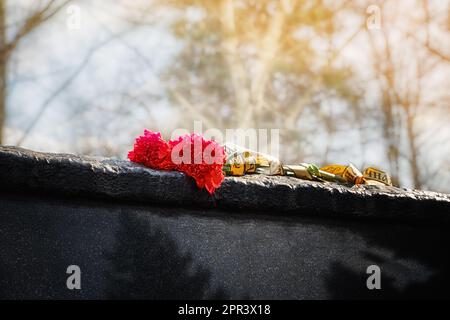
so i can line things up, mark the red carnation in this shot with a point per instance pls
(199, 158)
(152, 151)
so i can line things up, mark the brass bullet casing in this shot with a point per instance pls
(298, 171)
(241, 161)
(375, 176)
(349, 173)
(309, 171)
(370, 176)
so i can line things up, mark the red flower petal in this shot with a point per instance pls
(199, 158)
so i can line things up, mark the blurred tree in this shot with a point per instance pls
(12, 34)
(405, 91)
(257, 64)
(308, 67)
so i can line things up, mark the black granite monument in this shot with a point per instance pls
(137, 233)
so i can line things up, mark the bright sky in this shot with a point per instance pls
(131, 63)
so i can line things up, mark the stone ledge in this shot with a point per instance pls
(24, 170)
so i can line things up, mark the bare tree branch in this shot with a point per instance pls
(62, 87)
(31, 23)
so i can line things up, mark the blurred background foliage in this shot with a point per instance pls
(357, 81)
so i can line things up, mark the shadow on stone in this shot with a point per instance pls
(146, 263)
(426, 247)
(32, 265)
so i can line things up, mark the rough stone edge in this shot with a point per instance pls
(22, 169)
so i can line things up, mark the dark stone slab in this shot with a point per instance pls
(119, 179)
(146, 234)
(149, 252)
